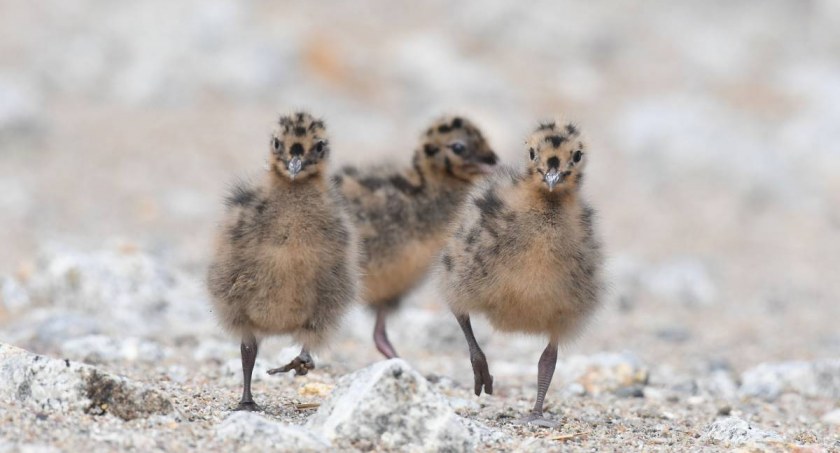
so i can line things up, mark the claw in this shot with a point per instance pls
(481, 373)
(301, 364)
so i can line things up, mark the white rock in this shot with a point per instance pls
(737, 431)
(684, 280)
(21, 109)
(832, 418)
(13, 296)
(256, 432)
(49, 385)
(389, 406)
(719, 384)
(811, 379)
(139, 295)
(101, 349)
(603, 372)
(427, 330)
(9, 447)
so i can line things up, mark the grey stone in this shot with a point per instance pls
(390, 406)
(95, 349)
(43, 384)
(811, 379)
(718, 384)
(13, 295)
(143, 296)
(736, 431)
(21, 108)
(832, 418)
(685, 280)
(602, 372)
(258, 433)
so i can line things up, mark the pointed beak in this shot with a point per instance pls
(294, 166)
(552, 178)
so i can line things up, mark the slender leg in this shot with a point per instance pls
(248, 350)
(380, 337)
(301, 364)
(548, 361)
(481, 372)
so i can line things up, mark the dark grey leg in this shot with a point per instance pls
(380, 337)
(301, 364)
(548, 361)
(248, 350)
(481, 372)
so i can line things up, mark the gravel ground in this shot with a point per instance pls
(713, 172)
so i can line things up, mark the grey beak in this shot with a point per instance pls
(552, 178)
(294, 166)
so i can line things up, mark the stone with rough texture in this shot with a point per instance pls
(46, 385)
(95, 349)
(143, 295)
(257, 433)
(737, 431)
(811, 379)
(832, 418)
(390, 406)
(603, 372)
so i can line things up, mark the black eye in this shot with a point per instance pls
(275, 143)
(578, 155)
(319, 147)
(458, 148)
(531, 153)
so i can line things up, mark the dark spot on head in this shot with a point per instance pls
(447, 262)
(571, 129)
(546, 126)
(430, 150)
(300, 131)
(317, 124)
(556, 140)
(489, 159)
(531, 153)
(296, 150)
(489, 204)
(67, 362)
(553, 162)
(443, 128)
(457, 123)
(300, 116)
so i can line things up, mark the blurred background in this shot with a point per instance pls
(713, 127)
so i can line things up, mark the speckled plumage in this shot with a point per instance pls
(402, 214)
(286, 259)
(523, 251)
